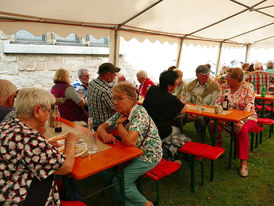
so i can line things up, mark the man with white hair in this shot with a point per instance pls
(81, 85)
(145, 82)
(259, 78)
(7, 96)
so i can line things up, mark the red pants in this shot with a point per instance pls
(242, 140)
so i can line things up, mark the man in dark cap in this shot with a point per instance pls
(100, 97)
(208, 90)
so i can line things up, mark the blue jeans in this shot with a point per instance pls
(131, 173)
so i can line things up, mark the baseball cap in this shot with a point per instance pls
(202, 69)
(107, 67)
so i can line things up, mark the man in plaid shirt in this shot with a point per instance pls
(258, 78)
(100, 97)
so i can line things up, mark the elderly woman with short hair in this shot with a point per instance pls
(70, 104)
(27, 160)
(144, 81)
(241, 96)
(140, 131)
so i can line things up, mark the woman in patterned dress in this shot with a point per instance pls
(27, 160)
(136, 128)
(241, 96)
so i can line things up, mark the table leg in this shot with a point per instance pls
(213, 144)
(231, 144)
(68, 192)
(122, 184)
(262, 116)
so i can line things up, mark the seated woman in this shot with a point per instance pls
(140, 131)
(241, 96)
(70, 104)
(145, 82)
(28, 161)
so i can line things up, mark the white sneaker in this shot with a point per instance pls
(243, 172)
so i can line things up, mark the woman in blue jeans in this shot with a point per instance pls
(135, 128)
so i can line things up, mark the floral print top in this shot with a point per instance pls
(243, 99)
(25, 155)
(139, 122)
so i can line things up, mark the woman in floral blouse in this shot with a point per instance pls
(136, 128)
(27, 160)
(241, 96)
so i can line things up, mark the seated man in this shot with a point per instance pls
(258, 78)
(209, 90)
(100, 97)
(7, 95)
(163, 107)
(81, 85)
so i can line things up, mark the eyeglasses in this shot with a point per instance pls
(46, 109)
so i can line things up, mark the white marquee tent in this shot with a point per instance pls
(247, 23)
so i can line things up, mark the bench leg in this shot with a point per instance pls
(192, 173)
(251, 142)
(202, 172)
(157, 193)
(256, 143)
(261, 137)
(212, 170)
(232, 137)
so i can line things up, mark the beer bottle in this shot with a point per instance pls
(225, 103)
(57, 118)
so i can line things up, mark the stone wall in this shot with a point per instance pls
(37, 70)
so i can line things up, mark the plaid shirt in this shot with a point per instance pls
(258, 78)
(100, 101)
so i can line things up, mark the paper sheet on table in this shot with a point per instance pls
(66, 129)
(205, 109)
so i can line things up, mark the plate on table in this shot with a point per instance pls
(80, 149)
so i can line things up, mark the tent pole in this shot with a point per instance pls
(247, 52)
(179, 52)
(218, 58)
(115, 46)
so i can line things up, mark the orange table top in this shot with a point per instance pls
(267, 97)
(100, 161)
(234, 115)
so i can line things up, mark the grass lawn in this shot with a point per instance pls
(226, 189)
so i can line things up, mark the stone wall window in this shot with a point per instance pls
(103, 42)
(25, 37)
(71, 39)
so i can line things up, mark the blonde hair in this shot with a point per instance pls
(61, 75)
(236, 73)
(127, 88)
(179, 72)
(6, 89)
(28, 98)
(141, 74)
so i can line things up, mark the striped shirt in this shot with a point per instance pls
(258, 78)
(100, 101)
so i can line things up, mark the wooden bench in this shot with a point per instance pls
(257, 129)
(163, 169)
(200, 151)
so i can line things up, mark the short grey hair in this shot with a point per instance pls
(6, 89)
(28, 98)
(81, 71)
(141, 74)
(127, 88)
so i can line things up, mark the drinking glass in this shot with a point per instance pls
(91, 138)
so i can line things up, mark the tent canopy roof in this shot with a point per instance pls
(232, 21)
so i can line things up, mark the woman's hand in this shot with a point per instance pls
(238, 127)
(108, 138)
(71, 137)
